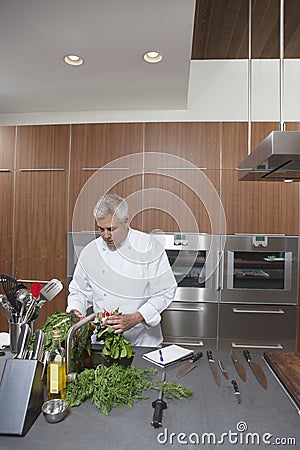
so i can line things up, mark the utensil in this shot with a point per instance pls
(9, 285)
(256, 369)
(190, 365)
(159, 405)
(49, 291)
(213, 368)
(236, 390)
(223, 370)
(55, 410)
(30, 308)
(239, 366)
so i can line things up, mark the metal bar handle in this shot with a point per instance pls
(248, 345)
(258, 311)
(192, 344)
(201, 309)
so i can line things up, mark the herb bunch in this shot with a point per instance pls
(117, 386)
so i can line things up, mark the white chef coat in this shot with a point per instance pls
(134, 277)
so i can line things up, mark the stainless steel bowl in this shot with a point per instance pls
(55, 410)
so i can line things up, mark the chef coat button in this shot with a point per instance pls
(105, 295)
(103, 271)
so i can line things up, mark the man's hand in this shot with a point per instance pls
(123, 322)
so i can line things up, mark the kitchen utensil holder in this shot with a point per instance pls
(14, 333)
(21, 395)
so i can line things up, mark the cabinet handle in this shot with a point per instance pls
(245, 344)
(201, 309)
(105, 168)
(58, 169)
(258, 311)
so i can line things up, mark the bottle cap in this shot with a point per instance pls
(56, 333)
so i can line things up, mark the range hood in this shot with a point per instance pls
(277, 158)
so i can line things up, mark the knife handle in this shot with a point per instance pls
(247, 355)
(197, 356)
(209, 355)
(159, 405)
(235, 386)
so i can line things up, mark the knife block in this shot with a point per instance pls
(21, 395)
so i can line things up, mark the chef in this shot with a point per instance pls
(126, 269)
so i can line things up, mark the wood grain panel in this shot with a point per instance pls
(7, 147)
(6, 235)
(257, 207)
(221, 29)
(86, 187)
(198, 143)
(40, 245)
(88, 148)
(234, 143)
(43, 146)
(123, 139)
(171, 205)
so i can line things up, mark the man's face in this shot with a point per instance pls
(112, 231)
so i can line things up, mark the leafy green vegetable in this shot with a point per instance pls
(115, 345)
(117, 386)
(81, 342)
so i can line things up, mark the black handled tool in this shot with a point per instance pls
(236, 390)
(159, 405)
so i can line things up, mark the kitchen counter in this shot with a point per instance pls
(268, 415)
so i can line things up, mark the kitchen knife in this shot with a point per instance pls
(256, 369)
(236, 390)
(239, 367)
(159, 405)
(223, 370)
(213, 368)
(190, 365)
(38, 345)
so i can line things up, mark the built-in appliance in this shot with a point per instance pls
(192, 317)
(276, 158)
(259, 291)
(77, 240)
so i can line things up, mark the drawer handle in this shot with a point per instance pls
(186, 309)
(275, 346)
(194, 344)
(258, 311)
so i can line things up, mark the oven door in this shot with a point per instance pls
(194, 261)
(260, 269)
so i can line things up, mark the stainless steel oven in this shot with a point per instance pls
(260, 269)
(191, 318)
(259, 292)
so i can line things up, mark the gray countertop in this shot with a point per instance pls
(262, 415)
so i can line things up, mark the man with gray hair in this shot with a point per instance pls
(126, 269)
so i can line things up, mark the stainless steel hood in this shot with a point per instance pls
(276, 158)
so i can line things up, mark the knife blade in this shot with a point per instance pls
(236, 390)
(239, 366)
(213, 368)
(159, 405)
(223, 370)
(190, 365)
(256, 369)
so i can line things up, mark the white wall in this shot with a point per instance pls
(218, 91)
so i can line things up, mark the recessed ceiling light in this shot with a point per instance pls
(73, 60)
(288, 180)
(152, 57)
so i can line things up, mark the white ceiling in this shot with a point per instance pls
(111, 36)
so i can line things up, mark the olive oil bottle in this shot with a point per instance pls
(56, 370)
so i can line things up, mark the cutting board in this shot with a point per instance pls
(287, 368)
